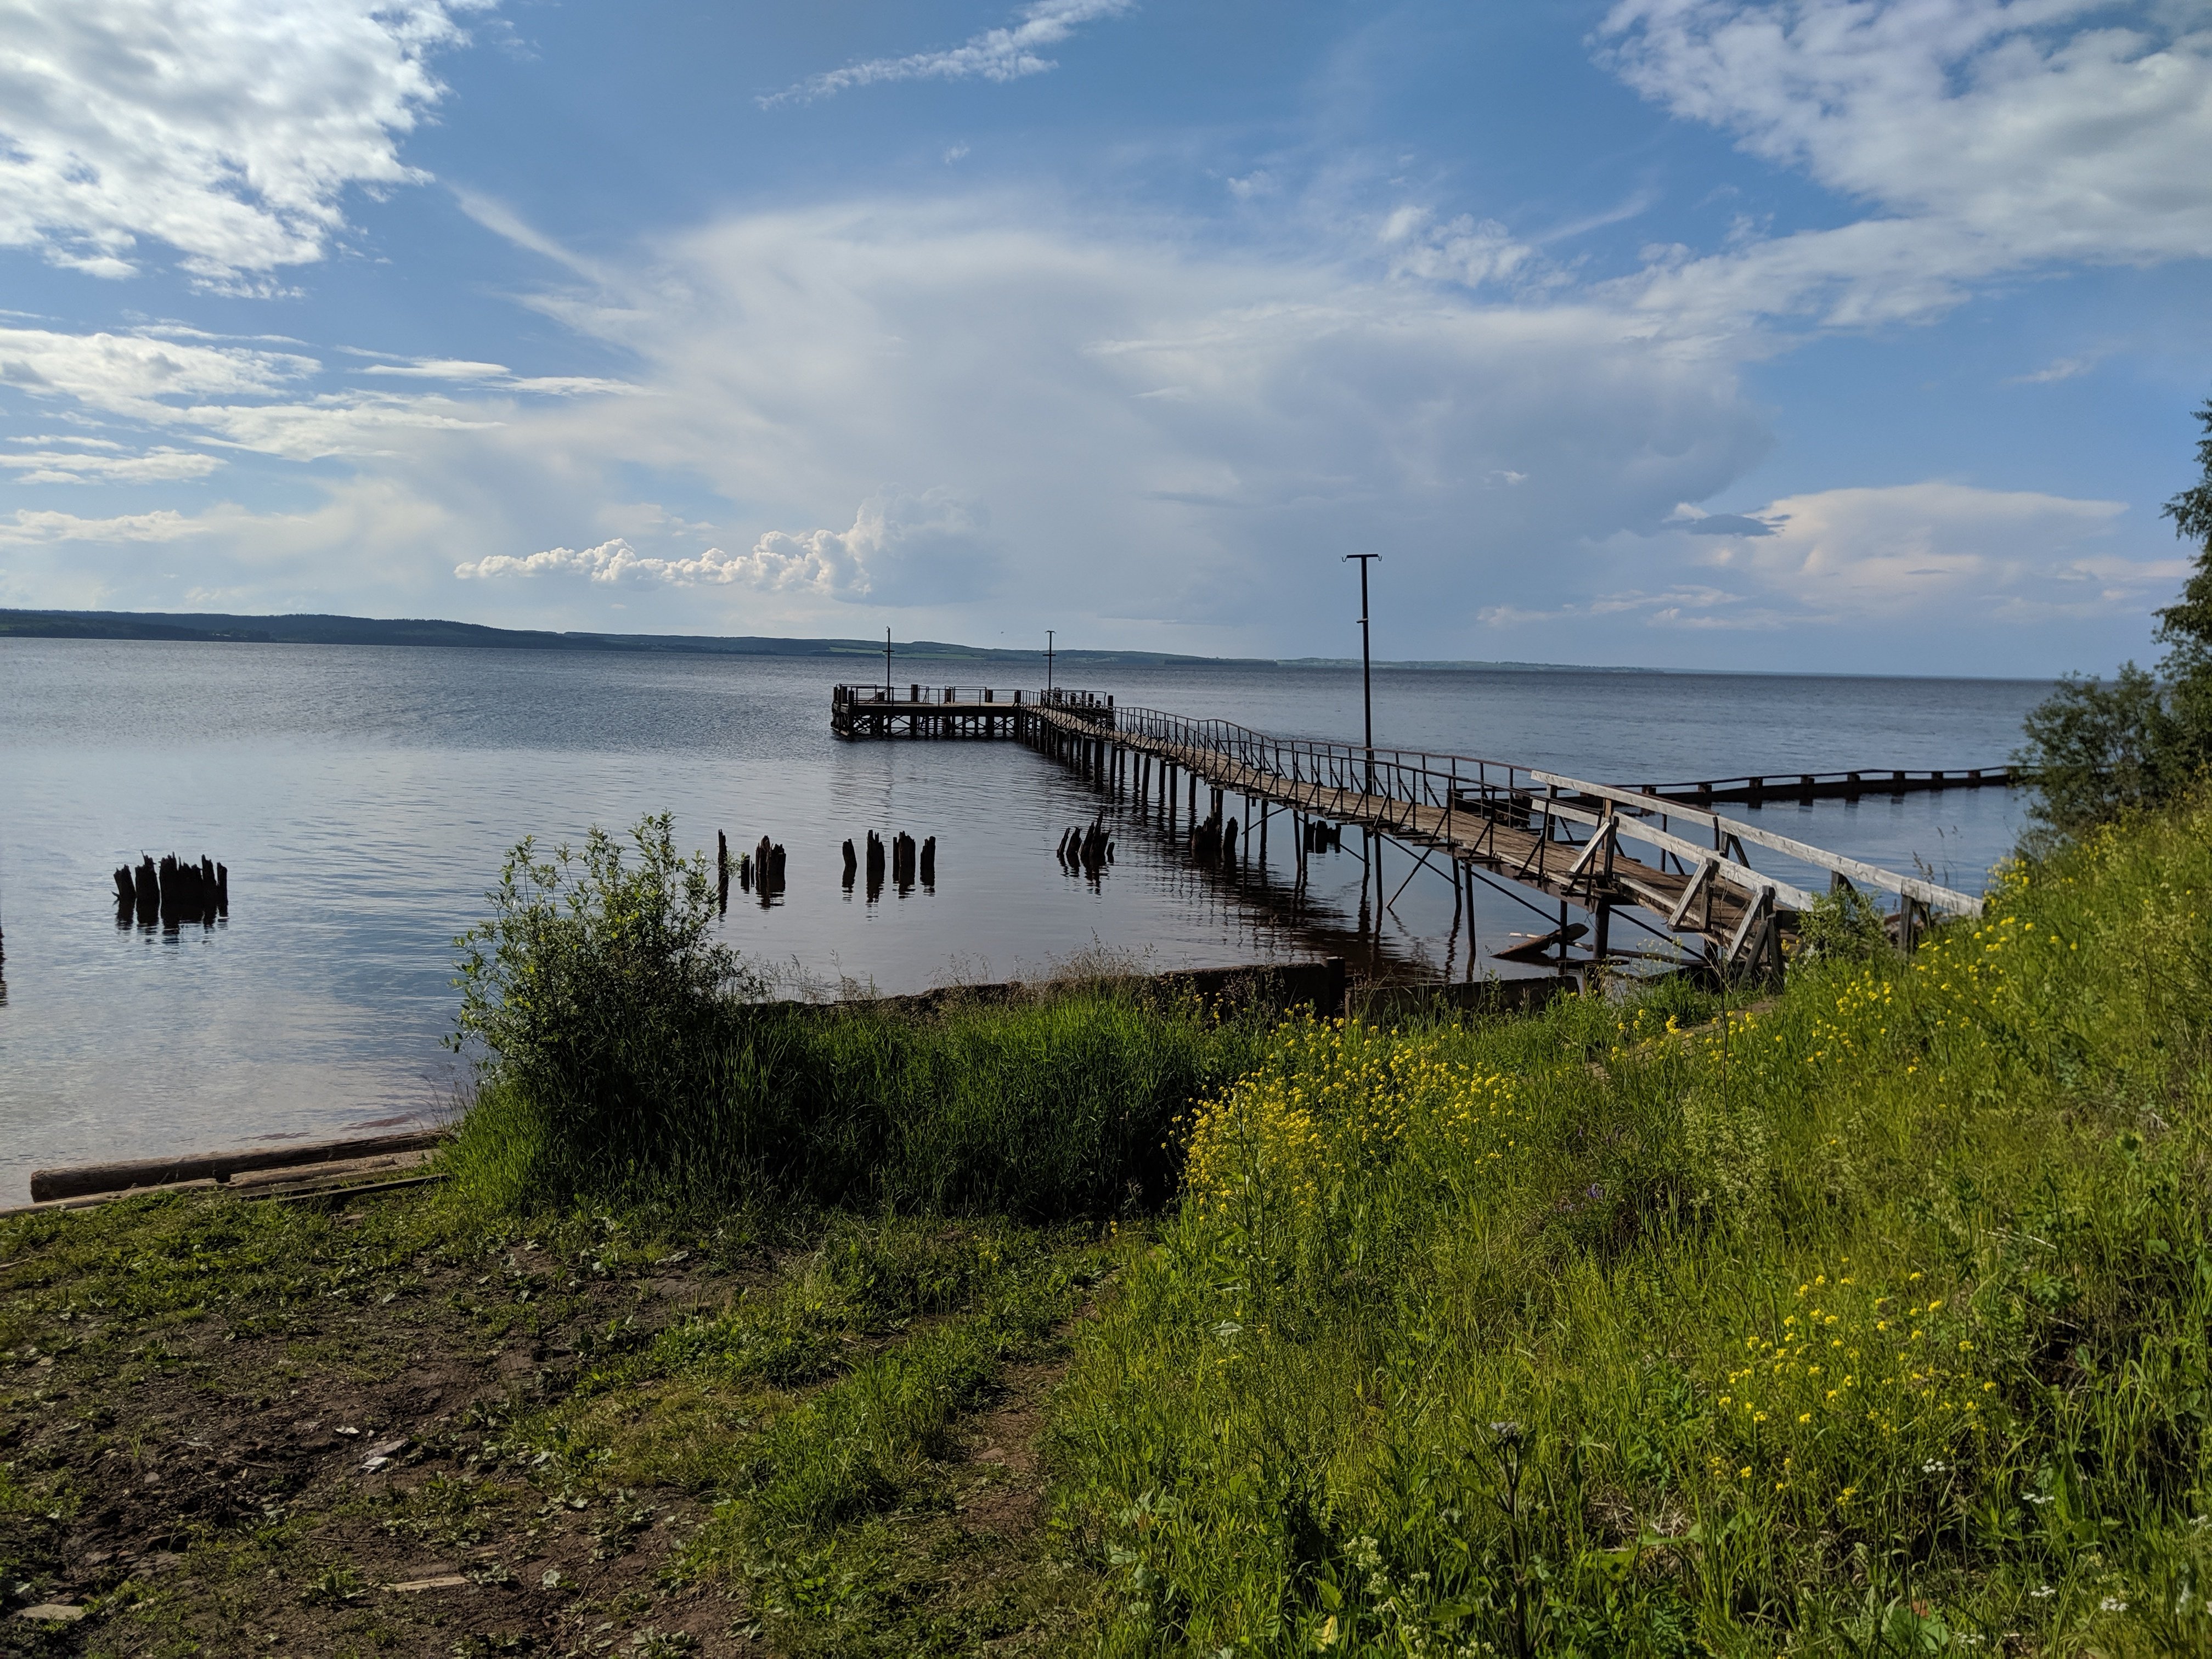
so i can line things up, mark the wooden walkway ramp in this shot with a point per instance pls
(1671, 867)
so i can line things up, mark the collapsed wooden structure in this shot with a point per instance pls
(1672, 867)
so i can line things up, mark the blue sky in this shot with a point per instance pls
(1850, 335)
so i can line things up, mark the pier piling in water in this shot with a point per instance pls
(173, 893)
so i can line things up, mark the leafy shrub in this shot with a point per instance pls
(599, 995)
(2099, 749)
(626, 1057)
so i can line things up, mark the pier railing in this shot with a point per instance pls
(1383, 788)
(916, 695)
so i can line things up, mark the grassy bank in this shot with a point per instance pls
(636, 1062)
(1871, 1318)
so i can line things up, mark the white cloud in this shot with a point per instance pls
(999, 54)
(610, 561)
(438, 369)
(1934, 549)
(1183, 430)
(1465, 251)
(1990, 135)
(227, 129)
(25, 528)
(129, 375)
(603, 563)
(2060, 369)
(252, 398)
(160, 464)
(890, 538)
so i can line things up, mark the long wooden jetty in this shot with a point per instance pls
(1690, 877)
(1828, 785)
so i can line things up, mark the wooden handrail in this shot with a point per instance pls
(1911, 887)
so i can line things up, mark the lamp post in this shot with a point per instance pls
(887, 664)
(1374, 860)
(1366, 665)
(1048, 634)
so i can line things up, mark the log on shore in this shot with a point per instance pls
(81, 1180)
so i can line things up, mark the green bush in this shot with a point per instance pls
(627, 1059)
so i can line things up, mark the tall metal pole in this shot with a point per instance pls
(1048, 633)
(1366, 665)
(887, 664)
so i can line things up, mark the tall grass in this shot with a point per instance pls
(1872, 1320)
(627, 1061)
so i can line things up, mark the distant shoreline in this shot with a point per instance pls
(308, 628)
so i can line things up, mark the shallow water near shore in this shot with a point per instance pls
(364, 799)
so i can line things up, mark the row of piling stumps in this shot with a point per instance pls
(1088, 850)
(760, 871)
(1323, 836)
(907, 861)
(174, 892)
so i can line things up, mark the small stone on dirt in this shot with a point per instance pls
(53, 1612)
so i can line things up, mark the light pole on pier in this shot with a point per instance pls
(1374, 842)
(1366, 665)
(887, 664)
(1048, 634)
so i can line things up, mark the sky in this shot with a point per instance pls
(1848, 335)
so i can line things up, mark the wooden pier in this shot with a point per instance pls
(1690, 877)
(1828, 785)
(915, 710)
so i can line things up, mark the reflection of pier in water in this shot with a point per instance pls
(1688, 884)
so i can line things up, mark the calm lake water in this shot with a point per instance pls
(363, 797)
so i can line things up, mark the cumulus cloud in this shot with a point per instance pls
(875, 559)
(999, 54)
(1161, 435)
(1990, 135)
(227, 129)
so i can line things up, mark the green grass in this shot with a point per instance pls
(1039, 1111)
(1873, 1322)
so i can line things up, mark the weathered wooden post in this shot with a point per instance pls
(929, 863)
(721, 871)
(852, 863)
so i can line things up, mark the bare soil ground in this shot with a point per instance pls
(230, 1432)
